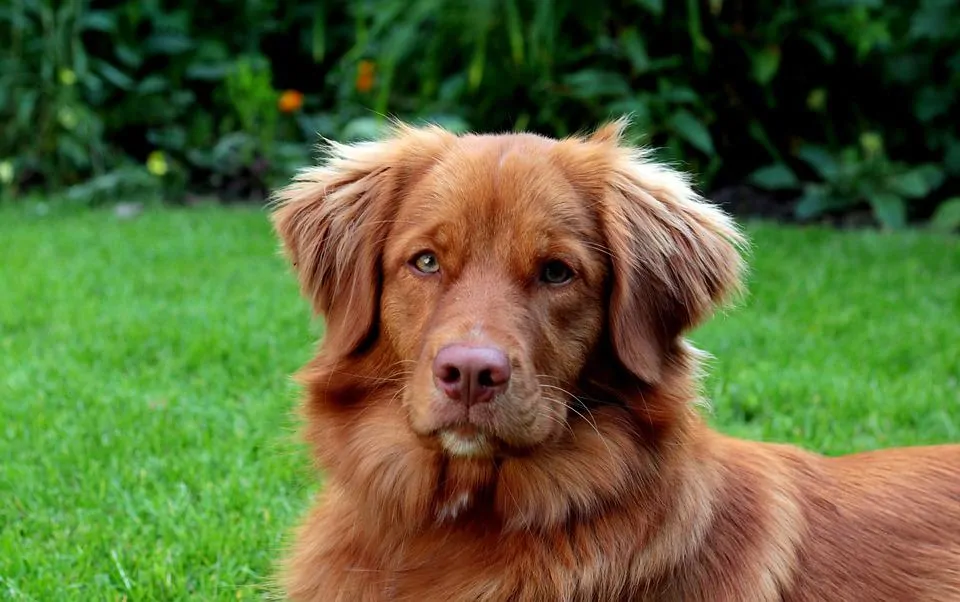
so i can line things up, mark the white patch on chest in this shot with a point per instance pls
(454, 506)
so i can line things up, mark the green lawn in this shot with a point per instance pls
(148, 449)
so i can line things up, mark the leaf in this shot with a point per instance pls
(26, 106)
(168, 43)
(820, 160)
(947, 216)
(211, 71)
(81, 61)
(515, 30)
(128, 56)
(775, 177)
(152, 84)
(813, 202)
(691, 129)
(756, 131)
(114, 76)
(890, 209)
(183, 98)
(951, 157)
(453, 123)
(171, 138)
(362, 128)
(701, 45)
(932, 21)
(954, 63)
(635, 50)
(932, 174)
(211, 62)
(654, 6)
(680, 95)
(918, 182)
(319, 34)
(932, 102)
(666, 63)
(93, 89)
(475, 70)
(907, 68)
(766, 63)
(481, 20)
(98, 20)
(818, 199)
(452, 88)
(200, 158)
(592, 83)
(823, 46)
(638, 108)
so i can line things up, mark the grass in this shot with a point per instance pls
(145, 430)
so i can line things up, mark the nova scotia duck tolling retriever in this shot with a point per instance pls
(504, 406)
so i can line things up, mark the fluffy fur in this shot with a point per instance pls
(592, 477)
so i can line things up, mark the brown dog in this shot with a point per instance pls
(503, 404)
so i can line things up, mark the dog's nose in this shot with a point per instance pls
(471, 374)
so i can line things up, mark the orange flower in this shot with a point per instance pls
(290, 101)
(365, 71)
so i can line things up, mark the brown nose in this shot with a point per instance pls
(471, 374)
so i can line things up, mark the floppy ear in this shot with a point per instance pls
(674, 256)
(333, 221)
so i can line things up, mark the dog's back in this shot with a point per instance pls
(882, 525)
(794, 526)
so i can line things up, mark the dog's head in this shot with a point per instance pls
(498, 280)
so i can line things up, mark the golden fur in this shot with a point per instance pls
(592, 476)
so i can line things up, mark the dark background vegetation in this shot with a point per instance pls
(837, 110)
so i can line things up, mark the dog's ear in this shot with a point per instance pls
(333, 221)
(674, 256)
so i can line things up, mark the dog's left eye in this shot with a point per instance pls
(426, 263)
(556, 272)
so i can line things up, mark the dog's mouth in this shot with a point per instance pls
(466, 440)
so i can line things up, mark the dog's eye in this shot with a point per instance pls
(556, 272)
(426, 263)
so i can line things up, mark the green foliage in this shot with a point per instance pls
(947, 216)
(859, 176)
(49, 133)
(723, 87)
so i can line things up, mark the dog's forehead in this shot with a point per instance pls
(500, 185)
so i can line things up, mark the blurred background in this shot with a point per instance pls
(818, 109)
(149, 326)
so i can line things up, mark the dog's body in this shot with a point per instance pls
(504, 403)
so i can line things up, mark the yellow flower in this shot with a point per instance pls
(817, 99)
(67, 77)
(365, 76)
(67, 118)
(290, 101)
(157, 163)
(872, 143)
(6, 172)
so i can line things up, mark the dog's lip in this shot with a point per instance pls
(465, 430)
(465, 440)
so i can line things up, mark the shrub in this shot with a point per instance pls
(832, 104)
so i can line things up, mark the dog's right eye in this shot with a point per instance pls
(426, 263)
(556, 272)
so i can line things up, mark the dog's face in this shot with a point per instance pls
(490, 273)
(493, 279)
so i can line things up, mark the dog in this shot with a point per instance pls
(505, 408)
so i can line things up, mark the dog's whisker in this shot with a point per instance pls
(591, 420)
(565, 425)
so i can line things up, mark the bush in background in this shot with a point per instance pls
(829, 106)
